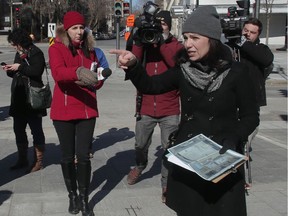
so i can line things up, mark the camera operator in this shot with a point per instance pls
(259, 59)
(156, 56)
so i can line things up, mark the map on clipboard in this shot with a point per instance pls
(201, 155)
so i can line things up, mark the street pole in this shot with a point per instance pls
(130, 7)
(197, 4)
(41, 21)
(11, 14)
(257, 8)
(117, 32)
(117, 36)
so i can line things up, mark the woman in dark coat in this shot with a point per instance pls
(226, 112)
(29, 63)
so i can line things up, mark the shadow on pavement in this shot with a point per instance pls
(156, 166)
(111, 137)
(4, 195)
(107, 177)
(52, 156)
(115, 168)
(283, 92)
(283, 117)
(110, 175)
(4, 113)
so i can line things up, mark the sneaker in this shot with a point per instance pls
(134, 175)
(164, 191)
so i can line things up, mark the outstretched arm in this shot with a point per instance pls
(125, 58)
(157, 84)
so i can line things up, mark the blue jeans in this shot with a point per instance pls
(143, 137)
(75, 137)
(35, 124)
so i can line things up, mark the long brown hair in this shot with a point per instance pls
(84, 46)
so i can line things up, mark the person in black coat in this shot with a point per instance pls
(29, 62)
(257, 56)
(226, 112)
(259, 59)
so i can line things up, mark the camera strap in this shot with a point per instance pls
(139, 96)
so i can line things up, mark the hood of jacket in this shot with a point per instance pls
(62, 37)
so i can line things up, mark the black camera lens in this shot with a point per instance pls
(149, 36)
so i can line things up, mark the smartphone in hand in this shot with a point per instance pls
(3, 64)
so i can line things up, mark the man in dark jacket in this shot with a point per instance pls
(259, 58)
(163, 109)
(256, 55)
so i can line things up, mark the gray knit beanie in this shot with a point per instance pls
(204, 21)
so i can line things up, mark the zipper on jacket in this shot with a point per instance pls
(86, 113)
(155, 73)
(82, 60)
(82, 63)
(65, 98)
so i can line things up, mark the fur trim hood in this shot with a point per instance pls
(61, 37)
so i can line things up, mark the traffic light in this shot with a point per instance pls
(126, 9)
(17, 10)
(244, 7)
(17, 15)
(118, 9)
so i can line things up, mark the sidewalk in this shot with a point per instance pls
(43, 193)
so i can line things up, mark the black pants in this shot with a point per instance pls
(75, 138)
(35, 124)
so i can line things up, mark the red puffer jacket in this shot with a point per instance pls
(158, 60)
(70, 101)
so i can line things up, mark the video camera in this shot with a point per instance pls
(232, 24)
(150, 28)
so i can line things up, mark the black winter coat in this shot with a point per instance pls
(19, 86)
(257, 57)
(231, 113)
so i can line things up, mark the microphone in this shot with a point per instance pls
(103, 73)
(89, 78)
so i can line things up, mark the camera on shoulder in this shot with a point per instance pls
(232, 24)
(150, 28)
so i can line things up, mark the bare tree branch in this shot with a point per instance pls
(267, 6)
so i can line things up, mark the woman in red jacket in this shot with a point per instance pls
(74, 105)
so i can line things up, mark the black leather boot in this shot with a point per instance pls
(83, 177)
(69, 174)
(22, 157)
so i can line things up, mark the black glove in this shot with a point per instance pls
(230, 142)
(86, 77)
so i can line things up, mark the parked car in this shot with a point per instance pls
(112, 36)
(97, 35)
